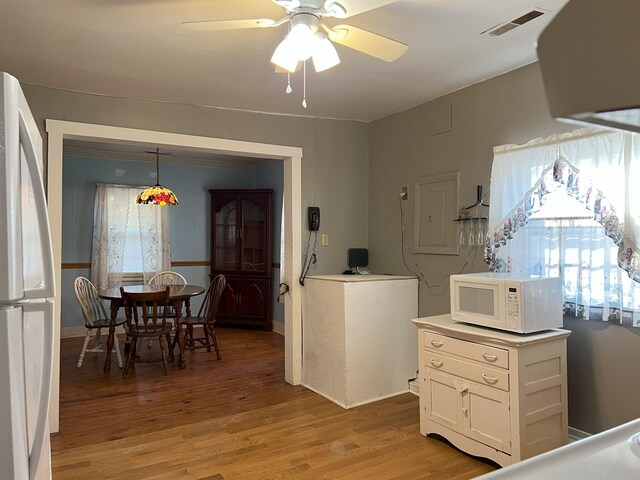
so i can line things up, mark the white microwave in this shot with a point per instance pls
(521, 304)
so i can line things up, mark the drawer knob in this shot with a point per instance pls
(489, 358)
(436, 363)
(437, 343)
(488, 379)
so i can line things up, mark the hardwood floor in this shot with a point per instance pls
(233, 419)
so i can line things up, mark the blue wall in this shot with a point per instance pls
(189, 220)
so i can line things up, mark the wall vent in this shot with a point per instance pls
(505, 27)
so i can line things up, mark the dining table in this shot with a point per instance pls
(178, 295)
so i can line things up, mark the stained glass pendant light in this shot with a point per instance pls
(157, 195)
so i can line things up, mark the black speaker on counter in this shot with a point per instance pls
(357, 257)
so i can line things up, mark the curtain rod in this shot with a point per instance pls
(556, 139)
(116, 185)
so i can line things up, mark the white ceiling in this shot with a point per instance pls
(138, 49)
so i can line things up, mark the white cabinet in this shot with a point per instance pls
(358, 337)
(492, 394)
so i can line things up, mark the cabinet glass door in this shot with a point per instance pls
(226, 232)
(253, 231)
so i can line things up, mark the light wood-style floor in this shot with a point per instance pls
(234, 419)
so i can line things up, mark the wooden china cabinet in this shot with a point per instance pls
(241, 250)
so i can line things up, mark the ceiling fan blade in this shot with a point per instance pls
(354, 7)
(367, 42)
(212, 25)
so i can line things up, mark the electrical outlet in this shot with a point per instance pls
(404, 193)
(325, 240)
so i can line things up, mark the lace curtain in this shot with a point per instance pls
(121, 229)
(566, 206)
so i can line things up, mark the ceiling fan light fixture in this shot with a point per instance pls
(285, 56)
(334, 9)
(302, 40)
(324, 55)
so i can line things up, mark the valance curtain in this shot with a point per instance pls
(120, 224)
(567, 206)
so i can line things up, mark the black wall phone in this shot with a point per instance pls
(313, 215)
(314, 219)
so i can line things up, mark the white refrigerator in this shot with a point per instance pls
(26, 293)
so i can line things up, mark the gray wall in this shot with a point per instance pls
(333, 168)
(507, 109)
(354, 171)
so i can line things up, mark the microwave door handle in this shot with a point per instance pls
(46, 290)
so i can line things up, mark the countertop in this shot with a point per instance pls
(446, 325)
(360, 277)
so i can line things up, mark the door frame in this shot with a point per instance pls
(59, 130)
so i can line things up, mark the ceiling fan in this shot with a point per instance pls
(310, 37)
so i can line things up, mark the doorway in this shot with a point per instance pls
(58, 131)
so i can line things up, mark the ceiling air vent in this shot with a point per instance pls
(505, 27)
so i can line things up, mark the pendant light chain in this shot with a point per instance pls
(158, 166)
(304, 84)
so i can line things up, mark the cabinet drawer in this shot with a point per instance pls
(493, 356)
(471, 371)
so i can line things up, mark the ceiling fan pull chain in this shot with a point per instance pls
(304, 84)
(288, 90)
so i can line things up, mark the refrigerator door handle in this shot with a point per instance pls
(40, 430)
(47, 289)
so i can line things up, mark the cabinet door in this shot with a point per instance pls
(443, 402)
(228, 306)
(486, 416)
(253, 298)
(246, 302)
(225, 234)
(254, 234)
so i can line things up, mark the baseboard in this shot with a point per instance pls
(278, 328)
(414, 386)
(353, 405)
(81, 331)
(575, 434)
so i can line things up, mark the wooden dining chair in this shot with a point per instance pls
(95, 319)
(168, 277)
(206, 318)
(146, 318)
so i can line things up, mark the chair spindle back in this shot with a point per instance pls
(90, 303)
(209, 307)
(146, 312)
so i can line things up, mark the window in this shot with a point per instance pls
(562, 207)
(130, 241)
